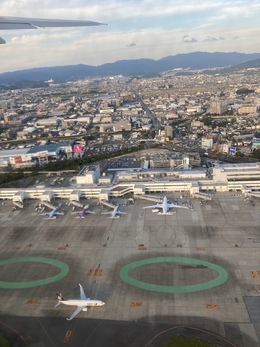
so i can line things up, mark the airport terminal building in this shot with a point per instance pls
(202, 183)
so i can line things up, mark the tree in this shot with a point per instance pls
(244, 91)
(256, 153)
(239, 154)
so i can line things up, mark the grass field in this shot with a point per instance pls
(186, 342)
(4, 342)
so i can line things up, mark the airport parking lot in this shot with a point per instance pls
(181, 258)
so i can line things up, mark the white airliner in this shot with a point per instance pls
(82, 213)
(115, 213)
(165, 207)
(82, 303)
(17, 23)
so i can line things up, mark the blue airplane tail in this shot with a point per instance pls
(60, 297)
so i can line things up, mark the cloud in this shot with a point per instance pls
(212, 38)
(111, 10)
(150, 29)
(186, 39)
(131, 45)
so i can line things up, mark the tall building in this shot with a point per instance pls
(218, 107)
(168, 131)
(247, 108)
(207, 142)
(88, 175)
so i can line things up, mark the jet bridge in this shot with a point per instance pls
(106, 203)
(252, 194)
(203, 196)
(48, 204)
(76, 203)
(149, 198)
(18, 204)
(47, 196)
(18, 199)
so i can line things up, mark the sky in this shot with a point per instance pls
(136, 29)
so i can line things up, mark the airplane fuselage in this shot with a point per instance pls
(82, 302)
(82, 213)
(165, 206)
(52, 213)
(85, 211)
(114, 212)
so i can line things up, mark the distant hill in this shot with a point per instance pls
(252, 64)
(195, 60)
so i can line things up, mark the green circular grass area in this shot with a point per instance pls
(64, 269)
(220, 279)
(182, 341)
(4, 342)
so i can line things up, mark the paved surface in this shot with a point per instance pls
(224, 232)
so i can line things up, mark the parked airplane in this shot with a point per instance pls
(16, 23)
(165, 207)
(115, 213)
(82, 303)
(83, 212)
(53, 214)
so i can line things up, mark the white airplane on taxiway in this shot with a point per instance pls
(83, 303)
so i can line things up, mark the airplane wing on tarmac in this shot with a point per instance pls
(78, 310)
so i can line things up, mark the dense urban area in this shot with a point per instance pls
(184, 111)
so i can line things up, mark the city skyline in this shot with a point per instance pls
(136, 29)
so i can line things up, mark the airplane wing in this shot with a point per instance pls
(58, 303)
(175, 206)
(153, 206)
(79, 212)
(106, 212)
(87, 212)
(17, 23)
(9, 23)
(78, 310)
(119, 212)
(82, 293)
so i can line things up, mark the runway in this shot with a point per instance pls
(215, 243)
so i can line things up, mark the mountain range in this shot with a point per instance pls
(195, 60)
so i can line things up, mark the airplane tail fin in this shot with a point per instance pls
(60, 297)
